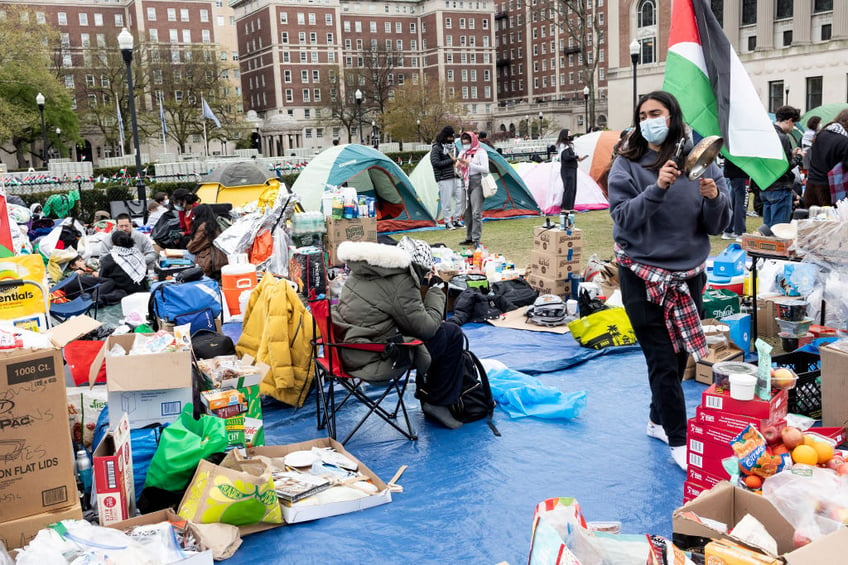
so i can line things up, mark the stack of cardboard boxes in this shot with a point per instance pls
(37, 481)
(356, 229)
(717, 421)
(555, 260)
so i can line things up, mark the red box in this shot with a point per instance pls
(835, 434)
(113, 475)
(773, 410)
(691, 490)
(722, 428)
(706, 454)
(704, 479)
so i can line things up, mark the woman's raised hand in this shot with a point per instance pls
(707, 188)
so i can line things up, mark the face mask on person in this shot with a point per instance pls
(178, 208)
(654, 130)
(466, 146)
(165, 202)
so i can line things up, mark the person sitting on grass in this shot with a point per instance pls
(204, 230)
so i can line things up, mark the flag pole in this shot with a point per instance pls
(162, 116)
(203, 118)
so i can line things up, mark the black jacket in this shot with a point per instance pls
(109, 269)
(787, 179)
(442, 163)
(829, 148)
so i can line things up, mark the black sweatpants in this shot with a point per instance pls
(569, 188)
(665, 367)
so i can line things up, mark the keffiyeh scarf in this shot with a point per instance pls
(131, 261)
(669, 290)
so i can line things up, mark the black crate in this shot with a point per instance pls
(805, 398)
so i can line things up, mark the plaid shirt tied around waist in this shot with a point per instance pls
(669, 290)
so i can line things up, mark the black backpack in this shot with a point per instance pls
(475, 402)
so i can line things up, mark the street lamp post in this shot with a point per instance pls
(786, 100)
(586, 107)
(527, 125)
(58, 142)
(125, 42)
(418, 129)
(635, 47)
(375, 139)
(540, 125)
(358, 96)
(39, 99)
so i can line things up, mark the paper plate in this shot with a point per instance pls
(300, 459)
(785, 231)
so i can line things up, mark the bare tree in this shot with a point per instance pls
(374, 75)
(579, 21)
(432, 106)
(339, 105)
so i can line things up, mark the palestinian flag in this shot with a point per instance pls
(716, 94)
(7, 245)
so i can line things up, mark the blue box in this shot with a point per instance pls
(730, 262)
(740, 330)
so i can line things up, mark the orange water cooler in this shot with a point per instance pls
(236, 279)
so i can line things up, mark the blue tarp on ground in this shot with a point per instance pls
(468, 495)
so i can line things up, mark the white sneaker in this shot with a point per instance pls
(656, 431)
(728, 235)
(679, 455)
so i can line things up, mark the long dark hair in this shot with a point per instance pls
(637, 145)
(564, 137)
(203, 214)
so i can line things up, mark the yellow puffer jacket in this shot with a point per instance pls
(277, 331)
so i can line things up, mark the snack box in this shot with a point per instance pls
(773, 410)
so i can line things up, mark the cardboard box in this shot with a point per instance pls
(358, 229)
(553, 266)
(703, 479)
(716, 354)
(113, 475)
(151, 388)
(766, 314)
(18, 533)
(772, 246)
(773, 410)
(724, 552)
(168, 515)
(307, 510)
(706, 455)
(740, 330)
(36, 456)
(691, 490)
(728, 504)
(247, 429)
(734, 423)
(545, 285)
(834, 383)
(556, 241)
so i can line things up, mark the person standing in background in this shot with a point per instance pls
(807, 140)
(443, 159)
(473, 163)
(777, 198)
(830, 146)
(738, 192)
(662, 222)
(568, 160)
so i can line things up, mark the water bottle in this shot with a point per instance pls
(571, 220)
(563, 219)
(83, 465)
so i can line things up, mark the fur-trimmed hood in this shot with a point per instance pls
(383, 258)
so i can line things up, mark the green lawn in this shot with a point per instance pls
(514, 238)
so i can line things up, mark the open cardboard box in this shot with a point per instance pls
(728, 504)
(167, 515)
(36, 454)
(305, 510)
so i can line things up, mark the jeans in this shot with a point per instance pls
(777, 206)
(738, 190)
(665, 367)
(451, 203)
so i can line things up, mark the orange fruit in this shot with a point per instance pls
(824, 451)
(780, 449)
(753, 482)
(805, 454)
(809, 440)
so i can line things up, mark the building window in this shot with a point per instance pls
(172, 14)
(204, 16)
(448, 23)
(822, 6)
(284, 17)
(647, 14)
(289, 95)
(648, 52)
(775, 99)
(184, 15)
(305, 94)
(749, 12)
(814, 92)
(119, 20)
(784, 9)
(787, 38)
(316, 94)
(98, 20)
(328, 19)
(825, 32)
(287, 76)
(151, 15)
(83, 19)
(752, 43)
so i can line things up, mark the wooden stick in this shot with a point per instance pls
(392, 484)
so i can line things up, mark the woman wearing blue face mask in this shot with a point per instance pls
(661, 226)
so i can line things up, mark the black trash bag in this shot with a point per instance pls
(515, 292)
(167, 233)
(474, 306)
(589, 305)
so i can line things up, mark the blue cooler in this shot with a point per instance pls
(730, 262)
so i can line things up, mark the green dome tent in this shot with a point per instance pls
(512, 199)
(372, 174)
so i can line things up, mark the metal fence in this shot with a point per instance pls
(25, 188)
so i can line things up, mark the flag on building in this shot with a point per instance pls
(120, 124)
(162, 116)
(207, 113)
(716, 94)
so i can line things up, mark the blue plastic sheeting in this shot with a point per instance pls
(468, 495)
(520, 395)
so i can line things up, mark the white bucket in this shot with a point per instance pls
(742, 386)
(135, 302)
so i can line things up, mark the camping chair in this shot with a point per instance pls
(80, 305)
(329, 370)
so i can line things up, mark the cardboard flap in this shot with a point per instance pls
(72, 329)
(821, 551)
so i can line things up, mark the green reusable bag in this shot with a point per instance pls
(720, 302)
(182, 446)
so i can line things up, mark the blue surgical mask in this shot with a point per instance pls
(654, 130)
(178, 208)
(466, 146)
(166, 202)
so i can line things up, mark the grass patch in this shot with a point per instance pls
(514, 238)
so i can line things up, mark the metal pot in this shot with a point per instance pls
(702, 156)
